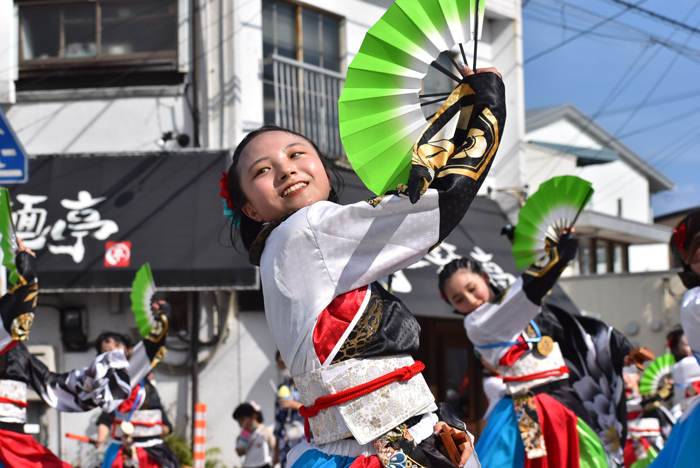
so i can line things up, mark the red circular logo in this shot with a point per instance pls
(117, 254)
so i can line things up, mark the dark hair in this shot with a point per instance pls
(686, 236)
(246, 410)
(116, 337)
(674, 338)
(453, 267)
(244, 228)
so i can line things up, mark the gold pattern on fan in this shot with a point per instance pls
(545, 345)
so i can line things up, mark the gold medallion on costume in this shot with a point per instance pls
(545, 345)
(127, 427)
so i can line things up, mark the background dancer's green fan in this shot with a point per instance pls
(142, 290)
(379, 109)
(8, 239)
(653, 378)
(555, 206)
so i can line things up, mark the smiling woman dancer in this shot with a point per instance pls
(681, 449)
(565, 403)
(338, 330)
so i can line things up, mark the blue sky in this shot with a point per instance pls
(609, 73)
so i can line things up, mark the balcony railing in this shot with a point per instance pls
(306, 101)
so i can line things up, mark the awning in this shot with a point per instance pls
(477, 236)
(95, 219)
(594, 224)
(585, 156)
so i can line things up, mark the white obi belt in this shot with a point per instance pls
(368, 417)
(533, 369)
(13, 401)
(147, 423)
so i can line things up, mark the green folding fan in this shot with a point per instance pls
(379, 109)
(653, 378)
(8, 238)
(555, 206)
(142, 290)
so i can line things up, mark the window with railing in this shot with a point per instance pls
(301, 71)
(101, 36)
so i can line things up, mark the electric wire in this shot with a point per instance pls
(579, 35)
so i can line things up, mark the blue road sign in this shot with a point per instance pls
(14, 161)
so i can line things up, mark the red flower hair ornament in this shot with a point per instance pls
(678, 240)
(228, 204)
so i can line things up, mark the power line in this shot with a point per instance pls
(667, 121)
(579, 35)
(607, 101)
(660, 79)
(656, 102)
(658, 16)
(614, 93)
(689, 52)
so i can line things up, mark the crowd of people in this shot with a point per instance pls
(565, 388)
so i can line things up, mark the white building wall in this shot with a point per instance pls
(611, 181)
(651, 257)
(62, 123)
(617, 181)
(543, 163)
(8, 52)
(649, 299)
(563, 132)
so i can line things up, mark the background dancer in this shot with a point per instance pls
(289, 424)
(681, 448)
(320, 263)
(543, 422)
(522, 429)
(106, 383)
(142, 409)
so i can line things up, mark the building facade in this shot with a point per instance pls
(617, 228)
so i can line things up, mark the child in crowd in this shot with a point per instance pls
(346, 340)
(256, 441)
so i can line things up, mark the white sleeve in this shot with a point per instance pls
(690, 319)
(500, 323)
(360, 243)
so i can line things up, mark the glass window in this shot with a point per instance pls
(286, 30)
(70, 31)
(584, 259)
(41, 32)
(138, 27)
(618, 258)
(311, 27)
(79, 31)
(601, 257)
(284, 24)
(331, 43)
